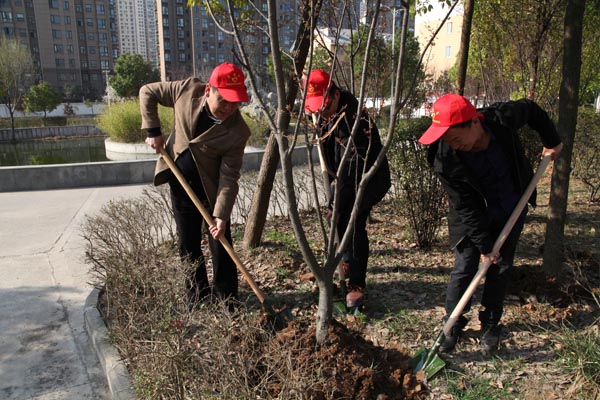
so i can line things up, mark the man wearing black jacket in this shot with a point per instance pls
(482, 166)
(338, 110)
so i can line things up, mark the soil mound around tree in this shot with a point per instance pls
(353, 367)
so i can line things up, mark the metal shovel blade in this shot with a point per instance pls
(428, 360)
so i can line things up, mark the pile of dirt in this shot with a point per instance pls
(354, 368)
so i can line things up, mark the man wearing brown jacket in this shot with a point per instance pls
(207, 145)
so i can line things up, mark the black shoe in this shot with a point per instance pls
(456, 332)
(490, 338)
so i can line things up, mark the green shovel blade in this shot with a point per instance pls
(427, 361)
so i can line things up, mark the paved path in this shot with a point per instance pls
(45, 352)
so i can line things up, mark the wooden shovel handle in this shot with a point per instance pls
(209, 220)
(456, 313)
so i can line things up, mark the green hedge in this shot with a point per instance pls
(122, 121)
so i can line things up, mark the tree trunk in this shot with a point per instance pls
(463, 52)
(325, 308)
(567, 120)
(264, 185)
(260, 201)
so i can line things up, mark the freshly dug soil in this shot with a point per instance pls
(353, 366)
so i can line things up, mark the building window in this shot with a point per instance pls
(179, 10)
(102, 24)
(167, 45)
(58, 48)
(53, 3)
(92, 50)
(91, 36)
(103, 51)
(181, 45)
(67, 20)
(89, 22)
(69, 34)
(88, 8)
(180, 34)
(448, 53)
(78, 8)
(56, 34)
(102, 37)
(82, 50)
(104, 64)
(20, 17)
(181, 57)
(99, 8)
(55, 19)
(60, 62)
(180, 22)
(70, 49)
(66, 5)
(449, 27)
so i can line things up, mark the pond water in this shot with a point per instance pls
(53, 151)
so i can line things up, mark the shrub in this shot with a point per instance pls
(416, 192)
(122, 121)
(586, 151)
(173, 353)
(259, 128)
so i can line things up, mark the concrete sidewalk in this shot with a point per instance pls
(45, 351)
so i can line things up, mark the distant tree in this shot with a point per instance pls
(42, 97)
(72, 93)
(130, 74)
(16, 72)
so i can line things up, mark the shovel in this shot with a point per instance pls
(429, 361)
(280, 317)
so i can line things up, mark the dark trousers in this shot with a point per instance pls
(466, 262)
(357, 252)
(190, 226)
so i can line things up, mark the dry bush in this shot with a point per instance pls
(586, 152)
(417, 192)
(173, 353)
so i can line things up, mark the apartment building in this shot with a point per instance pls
(443, 51)
(74, 43)
(190, 43)
(138, 34)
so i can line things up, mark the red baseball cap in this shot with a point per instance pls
(448, 110)
(318, 82)
(229, 80)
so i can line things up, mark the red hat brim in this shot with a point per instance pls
(313, 104)
(239, 95)
(433, 133)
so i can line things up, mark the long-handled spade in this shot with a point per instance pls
(429, 360)
(280, 318)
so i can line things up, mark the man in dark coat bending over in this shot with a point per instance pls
(482, 166)
(338, 109)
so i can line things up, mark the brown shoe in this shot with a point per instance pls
(355, 296)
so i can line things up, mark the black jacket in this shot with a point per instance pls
(365, 148)
(468, 207)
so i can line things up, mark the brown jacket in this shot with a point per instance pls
(218, 152)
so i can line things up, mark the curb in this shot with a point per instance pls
(119, 382)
